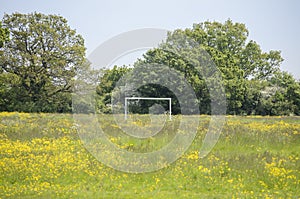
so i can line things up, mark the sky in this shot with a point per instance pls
(274, 25)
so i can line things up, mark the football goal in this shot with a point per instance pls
(147, 98)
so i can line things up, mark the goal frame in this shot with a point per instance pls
(147, 98)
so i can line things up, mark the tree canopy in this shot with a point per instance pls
(38, 63)
(41, 54)
(247, 72)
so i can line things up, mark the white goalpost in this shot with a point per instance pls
(147, 98)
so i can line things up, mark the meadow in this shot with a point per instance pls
(42, 156)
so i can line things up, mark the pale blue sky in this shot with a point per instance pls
(275, 25)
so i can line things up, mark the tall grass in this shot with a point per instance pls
(42, 156)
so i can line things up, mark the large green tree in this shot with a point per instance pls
(237, 58)
(246, 70)
(38, 63)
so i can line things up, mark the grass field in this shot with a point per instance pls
(41, 156)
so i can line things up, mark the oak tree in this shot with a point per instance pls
(39, 62)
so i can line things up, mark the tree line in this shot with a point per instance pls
(40, 56)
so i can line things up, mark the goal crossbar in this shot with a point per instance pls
(148, 98)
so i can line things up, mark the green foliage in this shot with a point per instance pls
(281, 96)
(40, 56)
(237, 59)
(107, 84)
(228, 46)
(83, 96)
(252, 78)
(43, 54)
(4, 35)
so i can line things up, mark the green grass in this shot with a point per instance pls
(42, 156)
